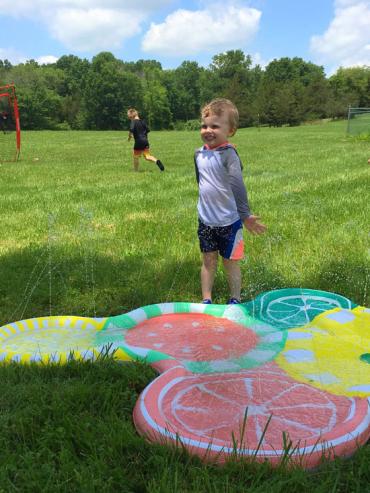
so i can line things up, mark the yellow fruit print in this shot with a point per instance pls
(332, 352)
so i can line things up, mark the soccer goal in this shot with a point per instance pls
(358, 121)
(10, 130)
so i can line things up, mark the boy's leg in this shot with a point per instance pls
(136, 163)
(234, 277)
(232, 251)
(207, 273)
(153, 159)
(149, 157)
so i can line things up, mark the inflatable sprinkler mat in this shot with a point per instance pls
(284, 375)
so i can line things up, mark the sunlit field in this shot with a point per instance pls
(82, 234)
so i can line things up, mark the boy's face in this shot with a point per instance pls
(215, 129)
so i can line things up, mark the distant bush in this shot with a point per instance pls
(192, 125)
(62, 126)
(186, 125)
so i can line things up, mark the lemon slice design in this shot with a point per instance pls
(51, 339)
(294, 307)
(332, 352)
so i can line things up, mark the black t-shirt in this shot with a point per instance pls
(140, 131)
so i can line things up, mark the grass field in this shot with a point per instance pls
(82, 234)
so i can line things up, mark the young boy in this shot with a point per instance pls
(223, 203)
(139, 131)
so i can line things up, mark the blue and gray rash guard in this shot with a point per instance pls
(223, 197)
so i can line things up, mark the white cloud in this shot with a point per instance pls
(93, 29)
(258, 60)
(14, 56)
(345, 3)
(85, 25)
(186, 32)
(46, 59)
(346, 42)
(27, 8)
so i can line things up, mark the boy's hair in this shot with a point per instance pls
(132, 112)
(219, 107)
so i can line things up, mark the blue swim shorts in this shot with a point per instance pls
(227, 240)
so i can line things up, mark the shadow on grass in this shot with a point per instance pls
(347, 277)
(37, 282)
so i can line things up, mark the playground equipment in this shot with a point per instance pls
(10, 129)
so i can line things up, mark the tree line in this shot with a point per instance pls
(76, 93)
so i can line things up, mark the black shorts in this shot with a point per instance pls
(228, 240)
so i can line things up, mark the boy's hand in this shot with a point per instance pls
(253, 225)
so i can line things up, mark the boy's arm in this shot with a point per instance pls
(131, 131)
(196, 166)
(234, 167)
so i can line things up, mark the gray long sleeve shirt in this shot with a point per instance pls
(223, 197)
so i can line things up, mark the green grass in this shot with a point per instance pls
(88, 236)
(82, 234)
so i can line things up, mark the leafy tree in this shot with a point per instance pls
(39, 103)
(287, 69)
(280, 103)
(142, 67)
(183, 90)
(351, 86)
(292, 91)
(156, 104)
(96, 94)
(75, 73)
(234, 79)
(5, 68)
(316, 99)
(109, 92)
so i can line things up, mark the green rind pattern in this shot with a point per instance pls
(182, 307)
(119, 321)
(152, 311)
(262, 353)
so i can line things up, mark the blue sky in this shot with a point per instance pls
(331, 33)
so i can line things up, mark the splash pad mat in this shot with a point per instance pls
(285, 375)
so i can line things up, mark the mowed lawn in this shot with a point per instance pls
(82, 234)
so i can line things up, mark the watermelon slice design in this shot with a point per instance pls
(221, 392)
(203, 339)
